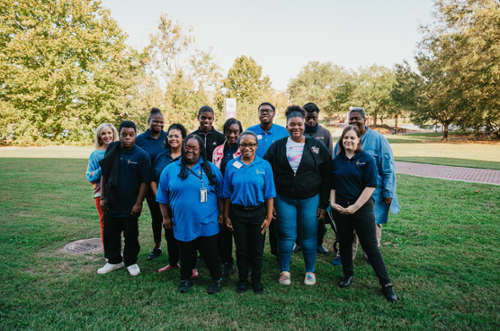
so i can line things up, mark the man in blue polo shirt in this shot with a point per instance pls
(124, 182)
(267, 132)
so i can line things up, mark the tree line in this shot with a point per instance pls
(65, 68)
(455, 82)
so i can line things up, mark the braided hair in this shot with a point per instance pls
(183, 174)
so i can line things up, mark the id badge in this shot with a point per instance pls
(203, 195)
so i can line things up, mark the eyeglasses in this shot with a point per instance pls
(243, 146)
(266, 111)
(190, 149)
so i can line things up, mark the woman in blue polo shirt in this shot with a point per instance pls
(152, 141)
(354, 180)
(190, 197)
(248, 208)
(173, 145)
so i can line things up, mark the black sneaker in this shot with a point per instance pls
(389, 293)
(215, 287)
(155, 253)
(228, 269)
(242, 286)
(257, 287)
(185, 285)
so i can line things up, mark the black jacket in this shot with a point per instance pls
(212, 139)
(313, 175)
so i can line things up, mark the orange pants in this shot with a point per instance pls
(101, 218)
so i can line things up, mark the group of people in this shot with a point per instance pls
(207, 187)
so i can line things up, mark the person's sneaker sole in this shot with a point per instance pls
(134, 271)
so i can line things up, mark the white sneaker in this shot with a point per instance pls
(108, 267)
(134, 269)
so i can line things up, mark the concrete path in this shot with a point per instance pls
(446, 172)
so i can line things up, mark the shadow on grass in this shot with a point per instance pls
(451, 162)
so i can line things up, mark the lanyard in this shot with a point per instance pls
(200, 177)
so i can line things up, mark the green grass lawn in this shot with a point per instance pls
(441, 251)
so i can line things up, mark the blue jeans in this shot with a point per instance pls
(296, 219)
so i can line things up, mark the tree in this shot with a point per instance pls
(64, 69)
(327, 85)
(373, 90)
(405, 91)
(183, 72)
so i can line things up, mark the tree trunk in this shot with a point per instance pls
(445, 132)
(381, 120)
(375, 118)
(396, 125)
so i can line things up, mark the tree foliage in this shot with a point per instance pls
(327, 85)
(64, 69)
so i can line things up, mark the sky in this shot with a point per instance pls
(283, 36)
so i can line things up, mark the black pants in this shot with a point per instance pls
(207, 246)
(156, 218)
(113, 227)
(248, 239)
(157, 224)
(363, 221)
(225, 244)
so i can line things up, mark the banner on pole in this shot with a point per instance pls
(230, 108)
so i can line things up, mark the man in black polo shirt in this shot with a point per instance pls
(314, 129)
(207, 132)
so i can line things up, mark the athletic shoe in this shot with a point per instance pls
(310, 278)
(336, 262)
(285, 278)
(185, 285)
(322, 250)
(215, 287)
(389, 293)
(156, 252)
(134, 269)
(228, 269)
(108, 267)
(257, 287)
(194, 274)
(169, 267)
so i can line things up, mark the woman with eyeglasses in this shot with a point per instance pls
(221, 156)
(173, 145)
(302, 173)
(190, 197)
(248, 208)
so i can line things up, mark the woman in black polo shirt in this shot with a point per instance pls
(354, 180)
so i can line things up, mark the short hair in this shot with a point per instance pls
(98, 140)
(205, 109)
(341, 139)
(311, 107)
(175, 126)
(230, 122)
(267, 104)
(358, 110)
(154, 111)
(295, 111)
(247, 133)
(127, 124)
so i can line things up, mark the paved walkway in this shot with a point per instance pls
(446, 172)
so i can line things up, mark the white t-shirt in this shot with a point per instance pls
(294, 153)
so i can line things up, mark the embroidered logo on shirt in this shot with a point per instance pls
(260, 172)
(131, 162)
(362, 163)
(315, 149)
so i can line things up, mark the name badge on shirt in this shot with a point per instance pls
(203, 195)
(237, 164)
(259, 137)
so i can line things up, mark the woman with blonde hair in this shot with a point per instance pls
(105, 134)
